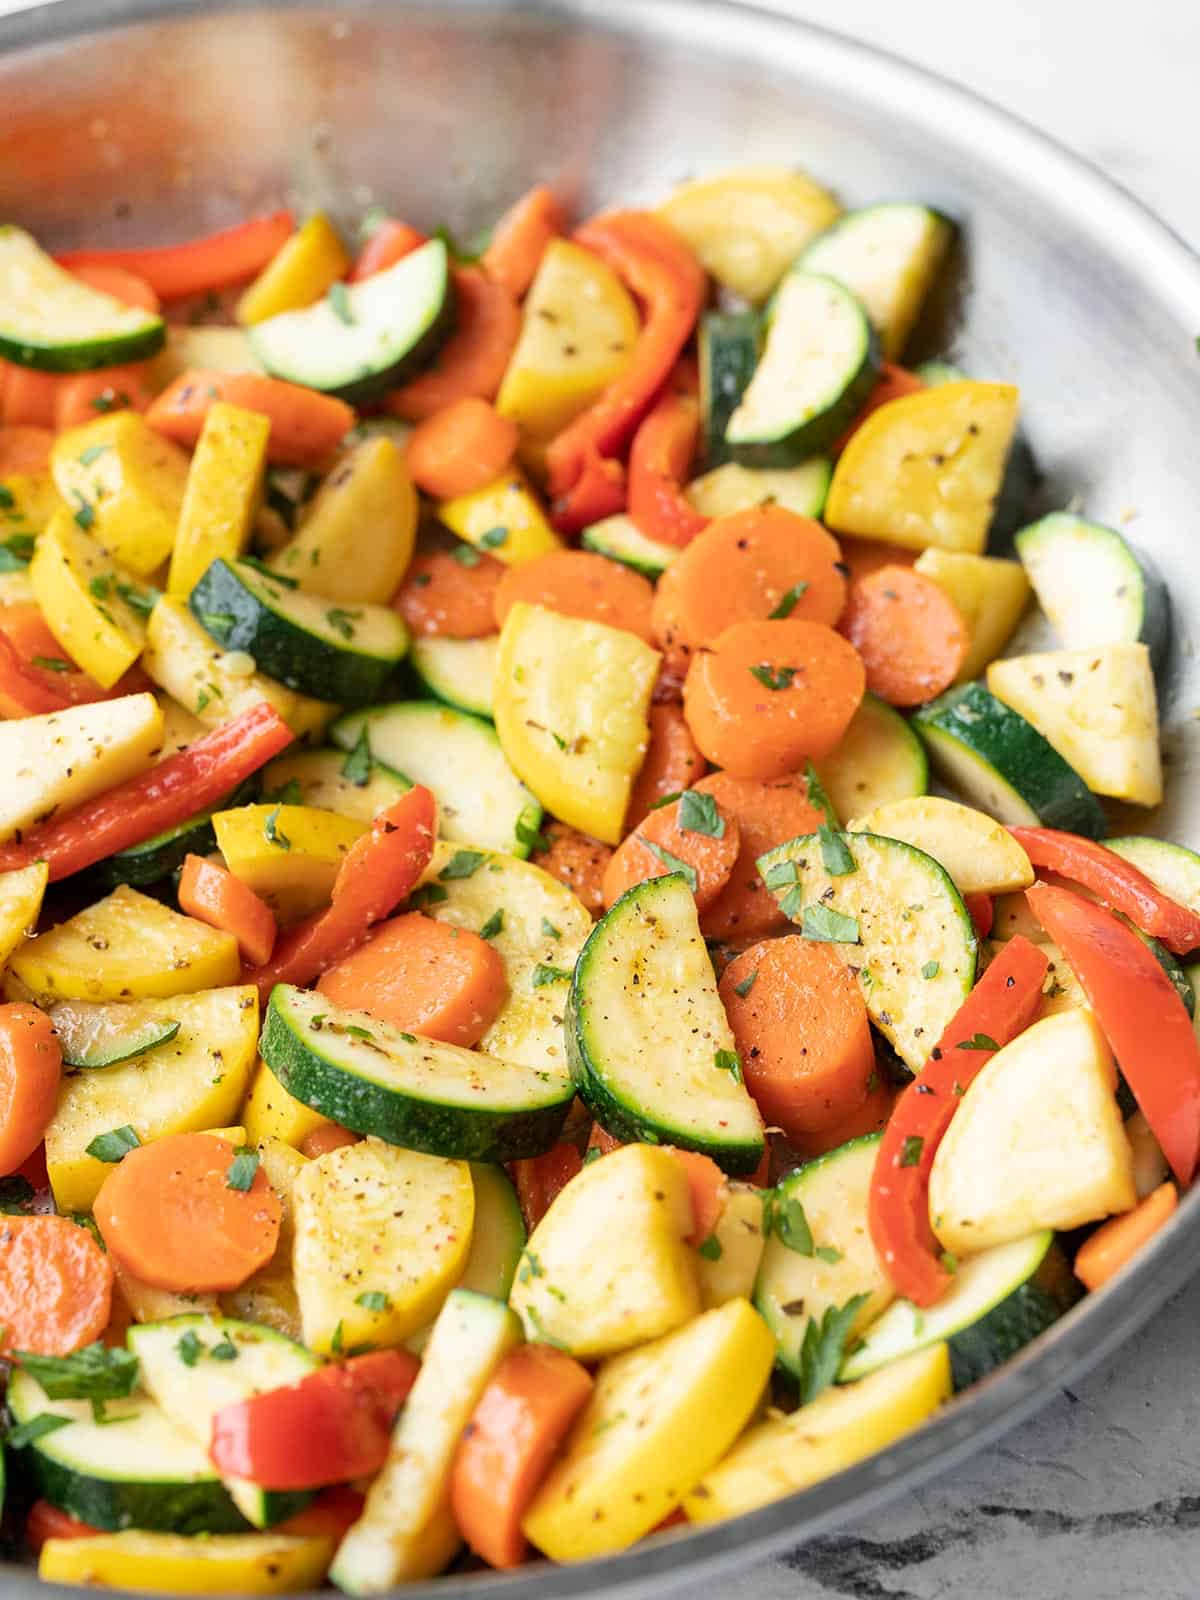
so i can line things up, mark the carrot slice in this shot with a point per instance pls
(802, 1032)
(665, 842)
(768, 813)
(539, 1180)
(514, 1433)
(391, 242)
(520, 238)
(747, 567)
(27, 397)
(461, 448)
(48, 1522)
(708, 1190)
(673, 763)
(861, 557)
(198, 265)
(444, 982)
(330, 1137)
(473, 359)
(56, 1285)
(577, 861)
(306, 427)
(767, 696)
(212, 895)
(127, 287)
(871, 1117)
(1117, 1241)
(909, 632)
(174, 1213)
(25, 449)
(82, 398)
(441, 596)
(30, 1073)
(894, 383)
(577, 583)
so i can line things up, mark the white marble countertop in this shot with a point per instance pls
(1099, 1496)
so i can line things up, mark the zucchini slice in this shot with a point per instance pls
(543, 927)
(649, 1045)
(158, 857)
(729, 345)
(192, 1391)
(480, 798)
(818, 367)
(136, 1469)
(92, 1036)
(821, 1208)
(620, 538)
(888, 255)
(459, 672)
(364, 338)
(897, 921)
(55, 322)
(434, 1098)
(879, 760)
(497, 1240)
(999, 762)
(1093, 587)
(1099, 710)
(1000, 1300)
(341, 653)
(732, 488)
(1173, 868)
(981, 856)
(331, 780)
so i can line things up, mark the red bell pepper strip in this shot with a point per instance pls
(199, 265)
(598, 492)
(167, 795)
(540, 1179)
(391, 241)
(662, 452)
(380, 870)
(1115, 882)
(1140, 1013)
(981, 912)
(49, 1522)
(1001, 1005)
(331, 1426)
(660, 269)
(330, 1516)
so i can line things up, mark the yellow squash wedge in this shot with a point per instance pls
(180, 728)
(748, 226)
(731, 488)
(289, 855)
(126, 483)
(183, 659)
(659, 1418)
(127, 947)
(27, 502)
(191, 1084)
(270, 1112)
(926, 469)
(170, 1563)
(223, 493)
(21, 893)
(368, 488)
(606, 1267)
(300, 272)
(374, 1220)
(979, 854)
(204, 348)
(578, 328)
(727, 1265)
(82, 594)
(571, 699)
(505, 518)
(55, 762)
(831, 1433)
(990, 594)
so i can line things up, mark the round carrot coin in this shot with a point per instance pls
(909, 633)
(578, 583)
(30, 1073)
(461, 448)
(672, 763)
(473, 359)
(446, 983)
(450, 598)
(768, 813)
(55, 1285)
(577, 861)
(700, 840)
(768, 696)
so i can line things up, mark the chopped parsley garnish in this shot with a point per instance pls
(530, 1267)
(978, 1041)
(828, 926)
(190, 1348)
(242, 1169)
(667, 800)
(744, 987)
(52, 664)
(698, 814)
(549, 930)
(466, 555)
(544, 1336)
(826, 1253)
(729, 1061)
(911, 1150)
(835, 853)
(428, 894)
(493, 538)
(817, 796)
(355, 1032)
(780, 873)
(272, 832)
(673, 863)
(92, 453)
(342, 620)
(143, 601)
(226, 1350)
(493, 925)
(85, 515)
(529, 834)
(788, 602)
(27, 1433)
(949, 1261)
(93, 1373)
(784, 1217)
(931, 969)
(824, 1346)
(217, 622)
(373, 1300)
(773, 677)
(543, 974)
(462, 864)
(115, 1145)
(709, 1248)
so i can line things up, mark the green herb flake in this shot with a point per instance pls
(978, 1041)
(744, 987)
(466, 555)
(827, 1254)
(835, 853)
(493, 925)
(373, 1300)
(226, 1350)
(729, 1061)
(530, 1268)
(27, 1433)
(242, 1169)
(93, 1373)
(949, 1261)
(709, 1249)
(462, 864)
(792, 903)
(815, 790)
(773, 677)
(115, 1145)
(290, 795)
(788, 601)
(698, 813)
(824, 1346)
(544, 1336)
(549, 931)
(85, 515)
(272, 832)
(100, 587)
(342, 621)
(217, 622)
(543, 974)
(355, 1032)
(790, 1225)
(780, 873)
(337, 1343)
(190, 1348)
(428, 894)
(493, 538)
(356, 768)
(339, 304)
(931, 969)
(911, 1150)
(92, 453)
(110, 400)
(530, 835)
(52, 664)
(673, 863)
(827, 926)
(143, 601)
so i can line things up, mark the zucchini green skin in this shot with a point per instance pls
(85, 355)
(1028, 1311)
(729, 345)
(626, 543)
(158, 857)
(458, 672)
(244, 610)
(997, 738)
(463, 1133)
